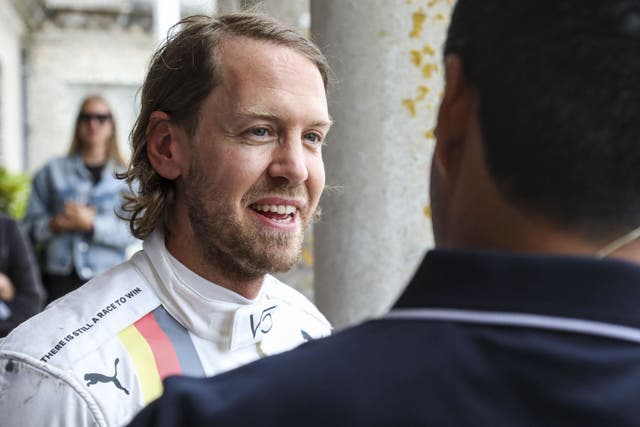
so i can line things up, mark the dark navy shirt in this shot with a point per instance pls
(477, 339)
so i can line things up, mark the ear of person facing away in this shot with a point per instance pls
(526, 313)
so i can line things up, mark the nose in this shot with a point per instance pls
(289, 162)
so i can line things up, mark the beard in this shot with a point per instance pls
(236, 244)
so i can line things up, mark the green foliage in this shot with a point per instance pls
(14, 192)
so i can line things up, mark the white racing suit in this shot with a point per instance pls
(99, 354)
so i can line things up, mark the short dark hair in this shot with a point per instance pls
(559, 105)
(182, 73)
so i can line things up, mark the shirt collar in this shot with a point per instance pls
(563, 286)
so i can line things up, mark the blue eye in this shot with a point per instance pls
(260, 131)
(313, 137)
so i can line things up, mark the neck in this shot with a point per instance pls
(507, 229)
(94, 156)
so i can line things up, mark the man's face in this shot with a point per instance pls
(256, 172)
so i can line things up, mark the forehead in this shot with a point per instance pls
(95, 105)
(250, 62)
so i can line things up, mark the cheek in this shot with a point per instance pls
(234, 171)
(316, 180)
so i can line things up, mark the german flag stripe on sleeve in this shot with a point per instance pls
(159, 347)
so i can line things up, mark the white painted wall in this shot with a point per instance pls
(11, 117)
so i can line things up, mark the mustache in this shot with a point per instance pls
(276, 189)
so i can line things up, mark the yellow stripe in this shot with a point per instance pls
(144, 362)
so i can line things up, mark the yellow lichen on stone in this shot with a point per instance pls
(307, 256)
(427, 211)
(429, 134)
(428, 50)
(411, 106)
(439, 17)
(429, 69)
(416, 57)
(422, 92)
(419, 19)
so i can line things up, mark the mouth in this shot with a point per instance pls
(277, 213)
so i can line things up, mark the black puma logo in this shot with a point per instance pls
(95, 378)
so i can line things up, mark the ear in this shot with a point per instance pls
(163, 145)
(454, 117)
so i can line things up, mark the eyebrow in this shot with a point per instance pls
(257, 114)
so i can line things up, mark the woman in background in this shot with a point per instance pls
(71, 214)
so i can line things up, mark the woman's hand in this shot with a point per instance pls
(80, 216)
(74, 217)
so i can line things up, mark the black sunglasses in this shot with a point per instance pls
(101, 118)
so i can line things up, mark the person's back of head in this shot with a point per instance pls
(557, 107)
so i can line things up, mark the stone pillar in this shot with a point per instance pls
(375, 225)
(225, 6)
(291, 12)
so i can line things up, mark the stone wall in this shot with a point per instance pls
(375, 229)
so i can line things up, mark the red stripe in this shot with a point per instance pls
(163, 351)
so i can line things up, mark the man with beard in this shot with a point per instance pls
(228, 171)
(527, 312)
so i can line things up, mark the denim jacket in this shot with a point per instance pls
(67, 179)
